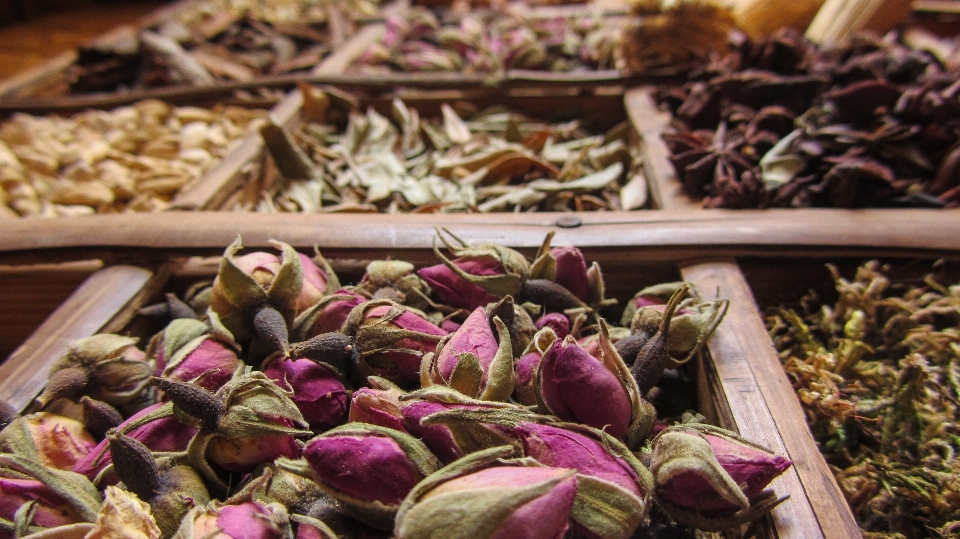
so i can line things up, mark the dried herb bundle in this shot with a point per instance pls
(878, 374)
(132, 158)
(782, 123)
(229, 48)
(497, 160)
(491, 42)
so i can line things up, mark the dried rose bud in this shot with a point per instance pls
(50, 439)
(60, 497)
(559, 279)
(524, 390)
(490, 498)
(247, 284)
(369, 469)
(106, 367)
(312, 528)
(241, 521)
(711, 478)
(577, 387)
(598, 391)
(376, 407)
(473, 362)
(571, 271)
(281, 483)
(124, 515)
(395, 280)
(316, 390)
(558, 322)
(186, 350)
(257, 423)
(391, 340)
(328, 315)
(164, 434)
(478, 275)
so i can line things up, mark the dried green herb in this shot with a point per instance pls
(496, 160)
(878, 375)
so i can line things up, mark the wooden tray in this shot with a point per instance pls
(734, 390)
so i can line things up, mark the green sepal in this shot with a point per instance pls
(606, 509)
(467, 374)
(643, 415)
(333, 282)
(240, 289)
(501, 375)
(544, 265)
(251, 402)
(287, 283)
(763, 504)
(679, 450)
(175, 336)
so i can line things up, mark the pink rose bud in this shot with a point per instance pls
(52, 509)
(562, 448)
(571, 271)
(516, 501)
(391, 340)
(376, 407)
(524, 390)
(250, 283)
(314, 284)
(558, 322)
(457, 291)
(332, 312)
(318, 393)
(577, 387)
(242, 521)
(165, 435)
(52, 440)
(472, 360)
(438, 438)
(107, 367)
(712, 475)
(205, 359)
(478, 275)
(369, 469)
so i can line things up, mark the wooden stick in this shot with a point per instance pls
(766, 409)
(653, 233)
(100, 300)
(666, 190)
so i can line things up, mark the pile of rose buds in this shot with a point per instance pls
(483, 397)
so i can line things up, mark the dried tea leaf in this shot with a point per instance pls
(456, 130)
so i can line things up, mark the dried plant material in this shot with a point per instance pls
(237, 47)
(877, 374)
(132, 158)
(673, 39)
(784, 123)
(495, 160)
(759, 18)
(491, 42)
(838, 20)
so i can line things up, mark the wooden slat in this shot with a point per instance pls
(650, 122)
(654, 233)
(766, 409)
(92, 307)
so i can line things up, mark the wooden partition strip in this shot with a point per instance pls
(766, 409)
(781, 232)
(650, 122)
(93, 306)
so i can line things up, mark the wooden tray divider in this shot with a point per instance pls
(105, 302)
(665, 190)
(765, 409)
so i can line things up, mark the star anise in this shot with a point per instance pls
(708, 158)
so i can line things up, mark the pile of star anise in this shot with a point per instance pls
(782, 122)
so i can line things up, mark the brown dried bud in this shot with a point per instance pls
(135, 465)
(194, 401)
(99, 417)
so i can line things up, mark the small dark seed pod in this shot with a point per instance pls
(69, 383)
(549, 295)
(272, 328)
(193, 400)
(99, 417)
(629, 346)
(157, 310)
(653, 358)
(135, 465)
(334, 349)
(179, 309)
